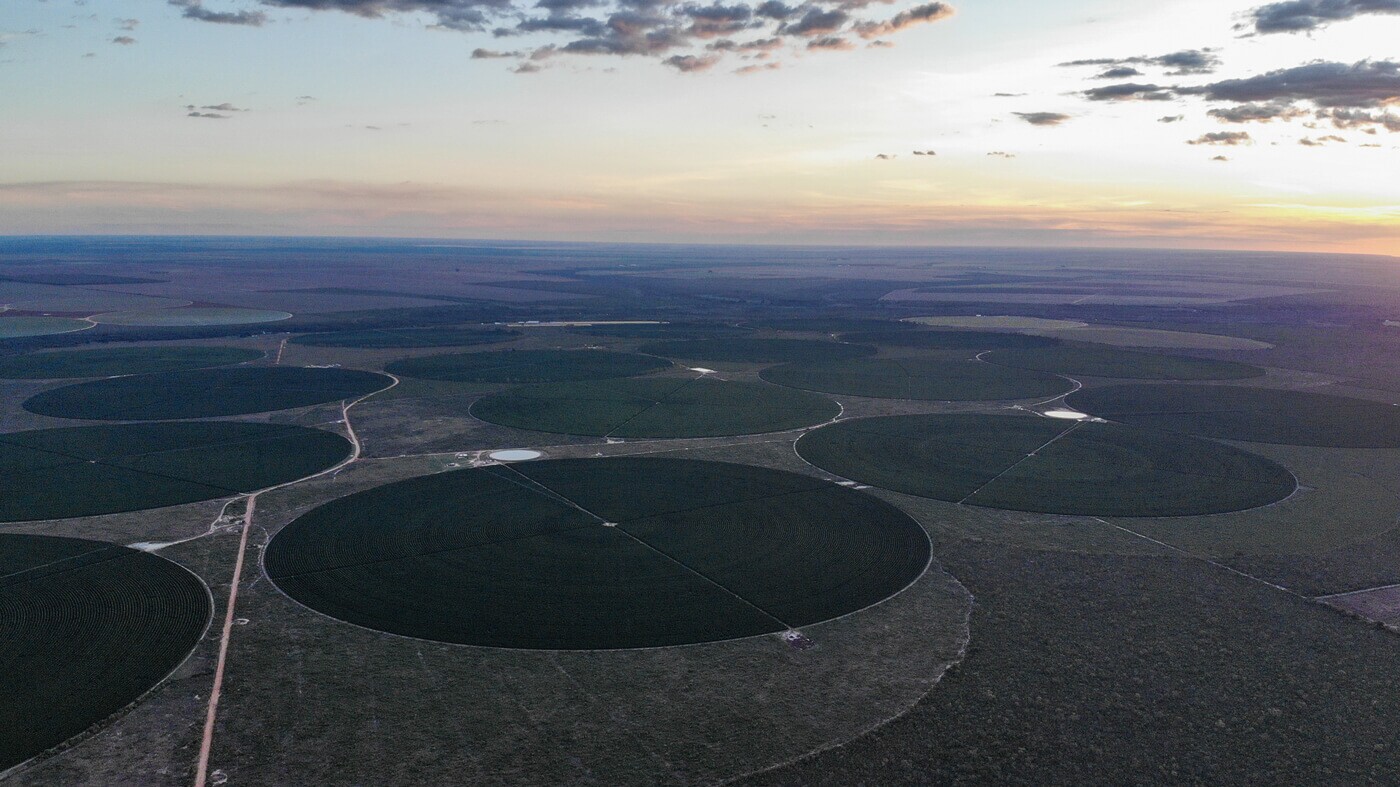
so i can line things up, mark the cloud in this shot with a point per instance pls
(1129, 91)
(124, 40)
(127, 24)
(919, 14)
(1171, 119)
(884, 156)
(1220, 158)
(690, 63)
(831, 44)
(1185, 61)
(925, 153)
(1007, 95)
(1257, 113)
(1042, 118)
(1363, 85)
(1230, 138)
(1356, 118)
(1298, 16)
(207, 115)
(757, 67)
(194, 9)
(224, 107)
(817, 23)
(677, 33)
(1002, 154)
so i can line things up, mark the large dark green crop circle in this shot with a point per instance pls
(88, 628)
(1256, 415)
(656, 407)
(1028, 463)
(597, 554)
(91, 470)
(204, 393)
(113, 361)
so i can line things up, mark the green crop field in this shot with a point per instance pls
(191, 316)
(111, 361)
(526, 366)
(975, 341)
(20, 327)
(1260, 415)
(1127, 364)
(88, 628)
(656, 407)
(401, 338)
(131, 467)
(937, 379)
(835, 324)
(597, 553)
(204, 393)
(671, 330)
(757, 350)
(1026, 463)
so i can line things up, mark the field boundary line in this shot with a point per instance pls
(1355, 592)
(1018, 462)
(1203, 559)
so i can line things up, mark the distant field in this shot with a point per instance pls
(397, 338)
(673, 330)
(656, 407)
(526, 366)
(1119, 363)
(111, 361)
(88, 628)
(1041, 465)
(756, 350)
(1260, 415)
(133, 467)
(833, 324)
(1072, 330)
(191, 316)
(19, 327)
(204, 393)
(948, 340)
(936, 379)
(597, 553)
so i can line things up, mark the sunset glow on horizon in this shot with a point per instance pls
(1183, 124)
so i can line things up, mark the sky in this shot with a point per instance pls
(1132, 123)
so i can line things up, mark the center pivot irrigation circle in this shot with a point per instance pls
(1047, 465)
(582, 554)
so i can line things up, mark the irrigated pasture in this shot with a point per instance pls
(131, 467)
(526, 366)
(204, 393)
(111, 361)
(597, 554)
(403, 338)
(1127, 364)
(88, 628)
(937, 379)
(1260, 415)
(1026, 463)
(757, 350)
(656, 407)
(949, 340)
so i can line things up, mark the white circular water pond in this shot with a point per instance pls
(1068, 415)
(514, 455)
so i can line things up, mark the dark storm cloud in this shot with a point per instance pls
(686, 35)
(194, 9)
(1042, 118)
(1299, 16)
(1186, 61)
(1231, 138)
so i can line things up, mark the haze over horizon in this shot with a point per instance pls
(1185, 124)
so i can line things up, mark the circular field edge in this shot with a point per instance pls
(929, 563)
